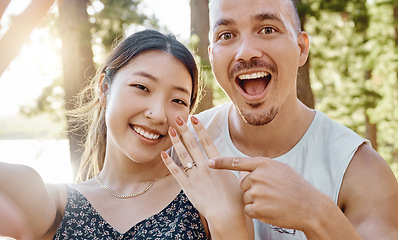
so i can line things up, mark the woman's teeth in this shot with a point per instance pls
(142, 132)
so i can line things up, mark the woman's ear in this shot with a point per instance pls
(102, 90)
(304, 45)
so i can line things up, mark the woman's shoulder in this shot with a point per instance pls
(59, 195)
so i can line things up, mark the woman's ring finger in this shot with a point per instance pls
(189, 166)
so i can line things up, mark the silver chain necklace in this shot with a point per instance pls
(130, 195)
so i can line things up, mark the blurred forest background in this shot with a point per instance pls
(352, 73)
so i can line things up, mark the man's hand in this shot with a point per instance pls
(274, 192)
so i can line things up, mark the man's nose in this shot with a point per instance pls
(248, 49)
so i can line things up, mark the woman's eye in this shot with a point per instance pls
(179, 101)
(139, 86)
(268, 30)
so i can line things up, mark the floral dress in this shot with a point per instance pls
(179, 220)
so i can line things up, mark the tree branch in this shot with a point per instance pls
(20, 29)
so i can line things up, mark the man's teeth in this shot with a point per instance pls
(146, 134)
(253, 75)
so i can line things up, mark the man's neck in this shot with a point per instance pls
(273, 139)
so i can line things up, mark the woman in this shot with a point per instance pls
(124, 189)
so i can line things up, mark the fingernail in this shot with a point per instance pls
(211, 163)
(172, 132)
(194, 120)
(164, 155)
(179, 121)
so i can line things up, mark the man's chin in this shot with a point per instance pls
(259, 119)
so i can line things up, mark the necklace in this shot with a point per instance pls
(130, 195)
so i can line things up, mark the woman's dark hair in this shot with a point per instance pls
(90, 114)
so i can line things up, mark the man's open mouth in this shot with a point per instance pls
(254, 83)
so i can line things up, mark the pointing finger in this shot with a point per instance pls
(235, 163)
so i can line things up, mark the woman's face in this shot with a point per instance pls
(144, 99)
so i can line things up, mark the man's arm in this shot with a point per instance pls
(276, 194)
(369, 195)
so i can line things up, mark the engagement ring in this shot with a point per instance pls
(189, 166)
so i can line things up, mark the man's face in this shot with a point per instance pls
(255, 51)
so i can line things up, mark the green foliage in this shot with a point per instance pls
(207, 77)
(51, 102)
(354, 67)
(352, 10)
(111, 18)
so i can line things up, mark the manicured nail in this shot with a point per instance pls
(194, 120)
(172, 132)
(179, 121)
(164, 155)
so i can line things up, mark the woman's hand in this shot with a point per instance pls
(215, 193)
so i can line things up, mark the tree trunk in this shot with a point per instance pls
(371, 128)
(77, 58)
(200, 29)
(304, 91)
(3, 6)
(20, 29)
(371, 132)
(395, 8)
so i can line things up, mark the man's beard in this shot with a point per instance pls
(259, 119)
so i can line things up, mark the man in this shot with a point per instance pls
(308, 176)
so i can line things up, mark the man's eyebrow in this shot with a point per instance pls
(153, 78)
(258, 17)
(223, 22)
(267, 16)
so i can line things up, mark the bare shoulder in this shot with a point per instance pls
(58, 194)
(369, 195)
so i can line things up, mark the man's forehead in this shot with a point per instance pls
(219, 10)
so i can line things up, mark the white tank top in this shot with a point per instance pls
(321, 157)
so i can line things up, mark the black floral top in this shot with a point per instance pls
(179, 220)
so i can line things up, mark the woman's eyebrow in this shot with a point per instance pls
(181, 89)
(145, 74)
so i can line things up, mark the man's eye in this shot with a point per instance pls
(268, 30)
(226, 36)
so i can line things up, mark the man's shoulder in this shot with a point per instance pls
(327, 136)
(332, 128)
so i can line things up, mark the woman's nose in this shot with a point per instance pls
(156, 113)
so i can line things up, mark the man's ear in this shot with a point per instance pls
(102, 90)
(304, 45)
(210, 54)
